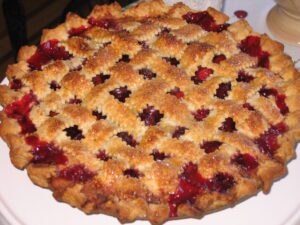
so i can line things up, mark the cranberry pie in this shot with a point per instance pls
(156, 112)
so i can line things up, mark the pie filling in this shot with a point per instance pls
(192, 183)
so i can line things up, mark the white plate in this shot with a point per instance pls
(23, 203)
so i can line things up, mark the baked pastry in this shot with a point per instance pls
(156, 112)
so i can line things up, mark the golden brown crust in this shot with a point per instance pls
(77, 110)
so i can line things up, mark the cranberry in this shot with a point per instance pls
(210, 146)
(176, 92)
(179, 132)
(266, 92)
(74, 133)
(20, 111)
(143, 44)
(241, 14)
(244, 77)
(205, 20)
(103, 156)
(228, 125)
(44, 152)
(98, 115)
(173, 61)
(104, 23)
(245, 161)
(78, 31)
(148, 74)
(165, 30)
(75, 100)
(77, 68)
(219, 58)
(159, 156)
(280, 102)
(267, 142)
(121, 93)
(125, 58)
(125, 136)
(248, 106)
(16, 84)
(222, 182)
(279, 98)
(202, 74)
(222, 91)
(132, 173)
(45, 52)
(201, 114)
(53, 113)
(77, 173)
(54, 85)
(191, 184)
(150, 116)
(251, 46)
(100, 79)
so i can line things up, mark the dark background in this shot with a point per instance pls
(21, 22)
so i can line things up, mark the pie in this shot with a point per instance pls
(156, 112)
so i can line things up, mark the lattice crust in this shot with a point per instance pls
(153, 112)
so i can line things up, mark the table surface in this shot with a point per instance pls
(257, 13)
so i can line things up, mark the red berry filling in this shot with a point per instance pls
(125, 58)
(44, 152)
(16, 84)
(98, 115)
(104, 23)
(132, 173)
(143, 44)
(248, 106)
(159, 156)
(147, 74)
(53, 113)
(245, 161)
(121, 93)
(202, 74)
(78, 31)
(54, 85)
(165, 30)
(125, 136)
(173, 61)
(241, 14)
(219, 58)
(177, 93)
(244, 77)
(179, 132)
(20, 111)
(267, 142)
(222, 182)
(100, 79)
(77, 174)
(223, 89)
(102, 155)
(74, 133)
(191, 184)
(75, 100)
(201, 114)
(150, 116)
(228, 125)
(205, 20)
(210, 146)
(45, 52)
(279, 98)
(251, 46)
